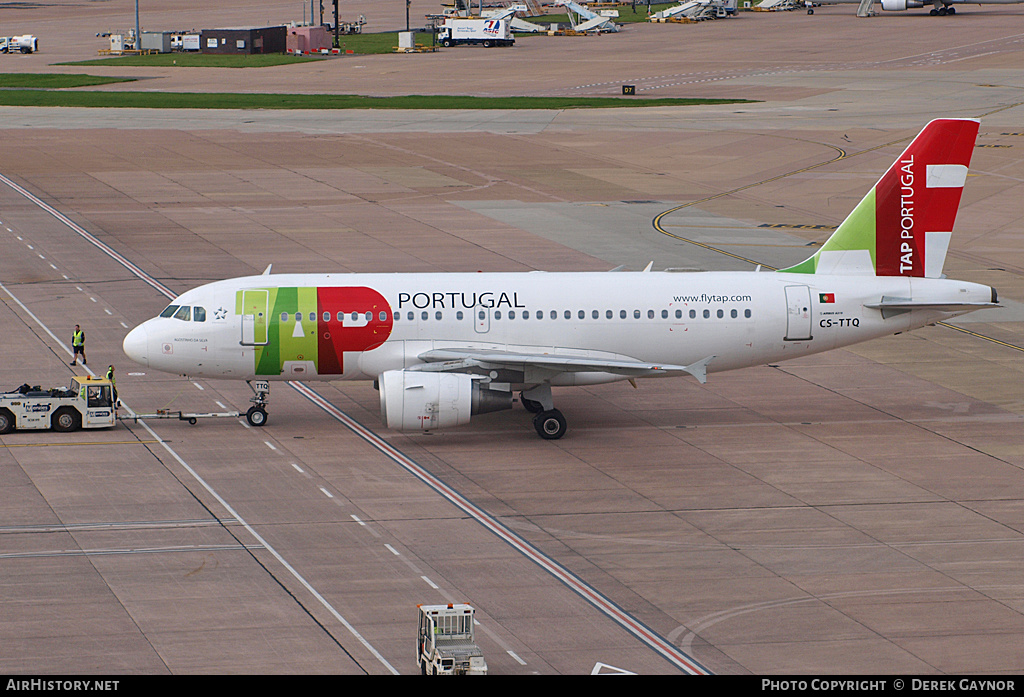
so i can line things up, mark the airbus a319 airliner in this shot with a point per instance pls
(442, 347)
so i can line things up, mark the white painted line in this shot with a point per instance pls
(327, 493)
(199, 386)
(298, 469)
(269, 445)
(124, 325)
(392, 550)
(512, 653)
(107, 311)
(219, 404)
(356, 518)
(53, 267)
(430, 583)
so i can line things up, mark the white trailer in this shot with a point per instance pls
(445, 643)
(87, 403)
(479, 31)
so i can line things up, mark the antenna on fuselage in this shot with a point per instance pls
(266, 271)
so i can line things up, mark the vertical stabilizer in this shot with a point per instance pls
(902, 227)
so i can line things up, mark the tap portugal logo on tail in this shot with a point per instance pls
(902, 227)
(309, 330)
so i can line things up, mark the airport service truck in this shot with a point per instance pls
(26, 43)
(86, 403)
(445, 642)
(484, 31)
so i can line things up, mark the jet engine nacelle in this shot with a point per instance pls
(423, 401)
(899, 5)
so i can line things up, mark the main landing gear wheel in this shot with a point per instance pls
(550, 424)
(256, 416)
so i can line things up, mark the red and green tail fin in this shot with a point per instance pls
(902, 227)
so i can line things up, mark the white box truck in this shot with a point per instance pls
(486, 31)
(25, 43)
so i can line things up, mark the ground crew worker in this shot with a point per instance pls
(78, 345)
(113, 383)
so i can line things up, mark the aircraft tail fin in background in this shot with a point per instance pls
(902, 227)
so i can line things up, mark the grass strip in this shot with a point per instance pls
(53, 81)
(203, 100)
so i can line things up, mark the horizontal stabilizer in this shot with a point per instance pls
(891, 307)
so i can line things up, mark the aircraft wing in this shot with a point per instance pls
(456, 359)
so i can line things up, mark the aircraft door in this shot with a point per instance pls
(798, 313)
(254, 317)
(482, 320)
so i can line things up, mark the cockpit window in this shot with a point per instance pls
(198, 314)
(169, 311)
(184, 313)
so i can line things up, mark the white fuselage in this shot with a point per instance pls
(740, 318)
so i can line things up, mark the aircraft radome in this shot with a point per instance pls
(442, 347)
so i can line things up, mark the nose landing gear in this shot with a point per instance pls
(257, 414)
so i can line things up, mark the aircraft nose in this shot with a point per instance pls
(136, 345)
